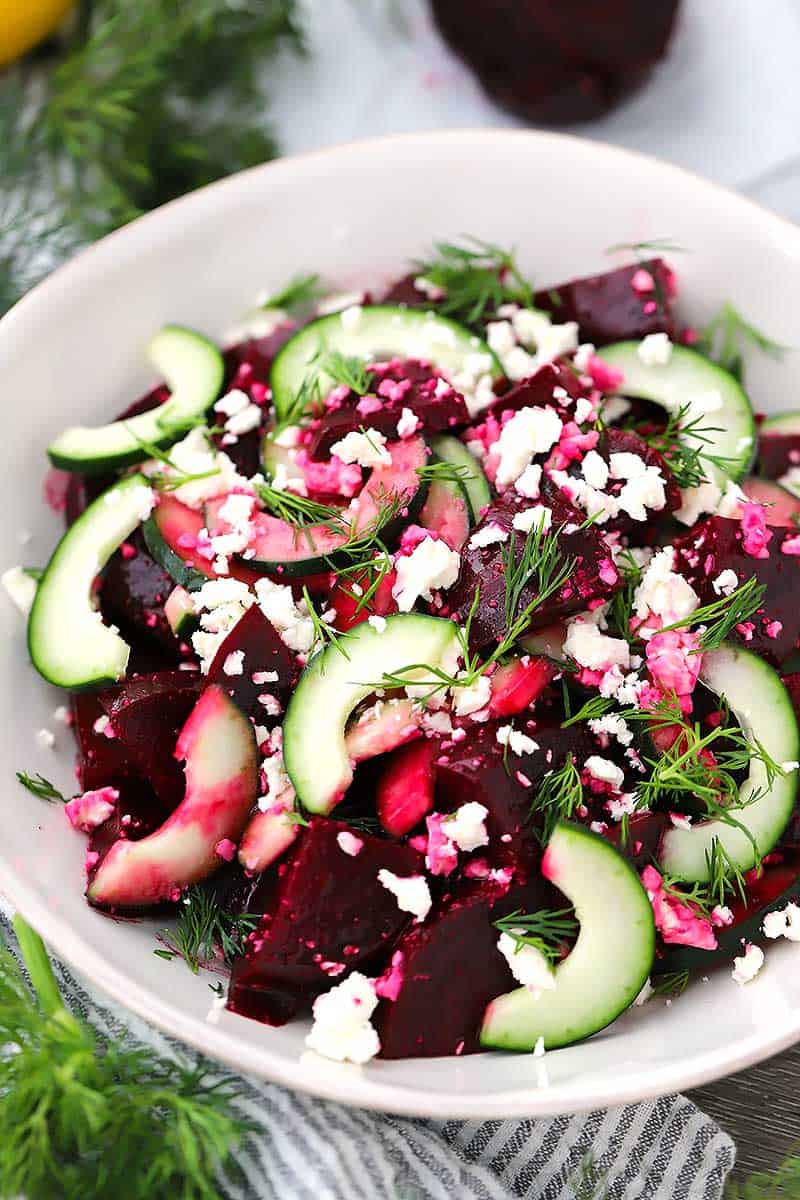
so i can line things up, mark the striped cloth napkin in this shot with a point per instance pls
(307, 1149)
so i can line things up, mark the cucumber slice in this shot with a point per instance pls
(783, 502)
(762, 706)
(383, 331)
(314, 746)
(168, 522)
(446, 512)
(219, 748)
(782, 425)
(547, 642)
(609, 963)
(68, 643)
(180, 613)
(194, 371)
(273, 457)
(729, 432)
(476, 485)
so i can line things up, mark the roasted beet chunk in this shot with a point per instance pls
(480, 769)
(326, 914)
(592, 576)
(253, 648)
(132, 595)
(396, 385)
(616, 305)
(778, 453)
(146, 716)
(539, 390)
(102, 760)
(644, 834)
(719, 544)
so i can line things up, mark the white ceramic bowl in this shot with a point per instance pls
(72, 351)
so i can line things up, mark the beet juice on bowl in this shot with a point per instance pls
(432, 654)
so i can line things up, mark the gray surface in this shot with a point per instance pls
(760, 1109)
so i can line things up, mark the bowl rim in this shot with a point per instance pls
(348, 1084)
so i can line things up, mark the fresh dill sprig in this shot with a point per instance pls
(476, 278)
(595, 707)
(41, 787)
(725, 878)
(307, 399)
(324, 632)
(343, 370)
(204, 928)
(301, 292)
(722, 616)
(728, 335)
(559, 796)
(85, 1118)
(299, 511)
(445, 472)
(684, 443)
(160, 481)
(361, 580)
(545, 930)
(673, 983)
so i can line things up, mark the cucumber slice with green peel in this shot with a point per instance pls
(446, 512)
(180, 612)
(314, 740)
(782, 425)
(193, 369)
(547, 642)
(606, 968)
(275, 457)
(168, 522)
(68, 643)
(219, 748)
(476, 485)
(381, 331)
(728, 431)
(761, 705)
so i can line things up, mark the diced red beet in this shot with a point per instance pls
(517, 684)
(146, 715)
(263, 650)
(326, 914)
(102, 761)
(256, 354)
(403, 291)
(478, 769)
(132, 595)
(778, 453)
(435, 412)
(380, 603)
(715, 545)
(625, 441)
(537, 390)
(609, 308)
(593, 577)
(405, 789)
(645, 830)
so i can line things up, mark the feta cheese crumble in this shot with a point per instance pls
(366, 449)
(655, 350)
(531, 431)
(466, 828)
(342, 1029)
(411, 892)
(605, 770)
(726, 582)
(431, 564)
(592, 649)
(783, 923)
(517, 741)
(527, 964)
(20, 588)
(490, 535)
(746, 966)
(537, 517)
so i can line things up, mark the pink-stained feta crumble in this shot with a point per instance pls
(678, 923)
(673, 661)
(756, 534)
(226, 849)
(441, 857)
(388, 985)
(773, 628)
(332, 478)
(604, 377)
(91, 809)
(348, 843)
(791, 545)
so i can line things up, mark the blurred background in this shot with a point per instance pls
(110, 107)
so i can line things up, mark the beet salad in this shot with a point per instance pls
(430, 655)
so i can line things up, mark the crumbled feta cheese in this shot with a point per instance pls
(244, 422)
(537, 517)
(527, 964)
(62, 715)
(377, 622)
(732, 500)
(234, 663)
(348, 843)
(351, 318)
(614, 726)
(530, 431)
(643, 492)
(655, 350)
(428, 288)
(367, 449)
(664, 594)
(584, 410)
(466, 828)
(411, 892)
(518, 363)
(529, 482)
(431, 564)
(517, 741)
(471, 699)
(500, 336)
(408, 424)
(591, 648)
(726, 582)
(783, 923)
(288, 438)
(261, 677)
(46, 739)
(747, 965)
(595, 470)
(583, 356)
(195, 456)
(697, 500)
(490, 535)
(336, 301)
(605, 770)
(342, 1030)
(623, 805)
(291, 620)
(232, 402)
(20, 588)
(217, 592)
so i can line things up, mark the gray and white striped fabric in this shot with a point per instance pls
(307, 1149)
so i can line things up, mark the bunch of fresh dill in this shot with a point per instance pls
(138, 103)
